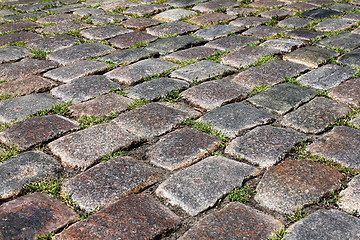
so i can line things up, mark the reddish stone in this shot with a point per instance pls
(140, 23)
(211, 18)
(130, 39)
(18, 26)
(18, 37)
(348, 92)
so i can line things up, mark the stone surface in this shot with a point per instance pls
(34, 215)
(57, 18)
(334, 25)
(104, 32)
(127, 56)
(191, 54)
(266, 4)
(53, 43)
(350, 196)
(241, 11)
(8, 54)
(183, 3)
(352, 59)
(211, 19)
(131, 39)
(147, 216)
(82, 149)
(108, 18)
(85, 88)
(17, 26)
(294, 22)
(346, 41)
(232, 42)
(347, 92)
(181, 148)
(264, 31)
(276, 13)
(171, 28)
(214, 5)
(66, 8)
(26, 168)
(292, 184)
(235, 221)
(142, 10)
(140, 23)
(24, 16)
(352, 16)
(342, 7)
(63, 27)
(216, 31)
(315, 116)
(283, 45)
(304, 34)
(356, 121)
(18, 37)
(174, 15)
(83, 12)
(248, 21)
(320, 13)
(198, 187)
(37, 6)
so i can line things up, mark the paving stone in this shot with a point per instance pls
(82, 149)
(214, 5)
(76, 70)
(294, 22)
(213, 94)
(236, 220)
(191, 54)
(310, 56)
(37, 130)
(171, 28)
(174, 14)
(127, 56)
(264, 146)
(85, 88)
(266, 4)
(293, 184)
(34, 215)
(216, 31)
(270, 73)
(7, 12)
(202, 71)
(264, 31)
(247, 56)
(37, 6)
(346, 41)
(18, 37)
(304, 34)
(241, 11)
(356, 30)
(198, 187)
(350, 196)
(104, 32)
(13, 53)
(63, 27)
(248, 21)
(325, 224)
(130, 39)
(276, 13)
(330, 25)
(65, 9)
(153, 119)
(57, 18)
(83, 12)
(142, 10)
(352, 16)
(181, 148)
(24, 16)
(320, 3)
(211, 18)
(283, 45)
(356, 2)
(347, 92)
(172, 44)
(356, 121)
(18, 26)
(342, 7)
(136, 72)
(157, 88)
(183, 3)
(79, 52)
(108, 18)
(232, 42)
(147, 216)
(300, 6)
(315, 116)
(17, 109)
(140, 23)
(53, 43)
(26, 168)
(111, 6)
(320, 13)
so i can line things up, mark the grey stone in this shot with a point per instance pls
(350, 200)
(13, 53)
(294, 22)
(65, 8)
(24, 16)
(127, 56)
(211, 19)
(266, 4)
(315, 116)
(37, 6)
(8, 39)
(342, 7)
(242, 11)
(248, 21)
(356, 30)
(217, 31)
(85, 88)
(63, 27)
(57, 18)
(7, 12)
(142, 10)
(104, 32)
(283, 45)
(53, 43)
(352, 16)
(183, 3)
(26, 168)
(198, 187)
(304, 34)
(132, 39)
(346, 41)
(83, 12)
(232, 42)
(191, 54)
(334, 25)
(214, 5)
(356, 121)
(108, 18)
(276, 13)
(347, 92)
(320, 13)
(17, 26)
(264, 31)
(174, 14)
(140, 23)
(171, 28)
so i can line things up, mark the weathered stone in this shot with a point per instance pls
(352, 16)
(140, 23)
(127, 56)
(266, 4)
(26, 168)
(181, 148)
(264, 31)
(65, 8)
(214, 5)
(304, 34)
(347, 92)
(335, 25)
(346, 41)
(216, 31)
(34, 215)
(351, 59)
(18, 37)
(300, 6)
(7, 12)
(191, 54)
(320, 13)
(13, 53)
(148, 219)
(356, 121)
(236, 220)
(130, 39)
(294, 22)
(57, 18)
(142, 10)
(315, 116)
(114, 5)
(17, 26)
(37, 6)
(63, 27)
(174, 14)
(183, 3)
(342, 7)
(241, 11)
(232, 42)
(351, 196)
(211, 18)
(24, 16)
(53, 43)
(356, 30)
(320, 3)
(85, 88)
(292, 184)
(283, 45)
(248, 21)
(83, 12)
(104, 32)
(171, 28)
(108, 18)
(276, 13)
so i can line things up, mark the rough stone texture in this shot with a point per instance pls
(108, 181)
(156, 88)
(34, 215)
(214, 5)
(340, 145)
(191, 54)
(53, 43)
(342, 7)
(320, 13)
(26, 168)
(83, 12)
(65, 8)
(104, 32)
(315, 116)
(352, 59)
(292, 184)
(266, 4)
(57, 18)
(171, 28)
(24, 16)
(264, 146)
(37, 130)
(351, 196)
(347, 92)
(198, 187)
(18, 37)
(283, 45)
(235, 221)
(294, 22)
(174, 15)
(136, 72)
(82, 149)
(213, 94)
(352, 16)
(108, 18)
(104, 105)
(232, 42)
(248, 21)
(17, 26)
(356, 121)
(276, 13)
(37, 6)
(233, 118)
(130, 39)
(13, 53)
(264, 31)
(153, 119)
(335, 25)
(211, 18)
(346, 41)
(63, 27)
(127, 56)
(202, 71)
(181, 148)
(183, 3)
(304, 34)
(17, 109)
(85, 88)
(142, 10)
(241, 11)
(325, 224)
(216, 31)
(148, 219)
(140, 23)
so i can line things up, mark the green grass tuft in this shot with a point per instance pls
(258, 89)
(297, 215)
(173, 96)
(86, 122)
(218, 56)
(242, 194)
(9, 152)
(49, 186)
(119, 153)
(278, 235)
(138, 103)
(206, 128)
(39, 54)
(59, 109)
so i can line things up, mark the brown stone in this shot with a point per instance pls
(130, 39)
(348, 92)
(140, 23)
(211, 18)
(18, 37)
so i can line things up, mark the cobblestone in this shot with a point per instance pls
(232, 42)
(9, 54)
(352, 59)
(347, 92)
(131, 39)
(53, 43)
(345, 41)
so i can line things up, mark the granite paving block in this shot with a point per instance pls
(181, 148)
(153, 119)
(356, 30)
(356, 121)
(191, 54)
(211, 18)
(26, 168)
(300, 6)
(183, 3)
(108, 18)
(53, 43)
(172, 44)
(37, 6)
(127, 56)
(241, 11)
(82, 149)
(13, 53)
(7, 12)
(340, 145)
(114, 5)
(157, 88)
(352, 59)
(214, 5)
(335, 24)
(264, 146)
(294, 22)
(17, 109)
(85, 88)
(63, 27)
(315, 116)
(104, 32)
(283, 45)
(342, 7)
(18, 37)
(37, 130)
(24, 16)
(293, 184)
(351, 196)
(171, 28)
(79, 69)
(130, 39)
(18, 26)
(320, 13)
(236, 220)
(232, 42)
(264, 31)
(325, 224)
(65, 9)
(248, 21)
(266, 4)
(202, 71)
(136, 72)
(347, 92)
(233, 118)
(79, 52)
(310, 56)
(213, 94)
(109, 181)
(147, 216)
(304, 34)
(346, 41)
(276, 13)
(35, 215)
(352, 16)
(140, 23)
(174, 14)
(142, 10)
(216, 31)
(83, 12)
(57, 18)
